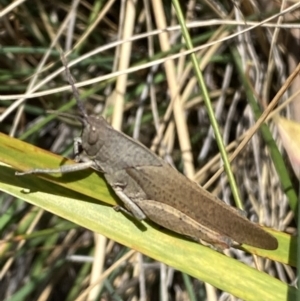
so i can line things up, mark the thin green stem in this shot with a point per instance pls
(209, 107)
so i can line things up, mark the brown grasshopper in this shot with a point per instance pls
(151, 188)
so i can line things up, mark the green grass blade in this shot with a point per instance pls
(63, 199)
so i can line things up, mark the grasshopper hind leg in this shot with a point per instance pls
(175, 220)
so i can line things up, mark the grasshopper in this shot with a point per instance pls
(151, 189)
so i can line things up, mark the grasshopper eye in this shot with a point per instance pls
(93, 136)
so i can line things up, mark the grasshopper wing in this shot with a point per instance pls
(167, 186)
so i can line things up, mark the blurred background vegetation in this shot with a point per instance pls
(119, 51)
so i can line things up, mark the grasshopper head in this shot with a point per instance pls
(94, 127)
(94, 134)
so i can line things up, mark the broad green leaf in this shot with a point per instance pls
(79, 198)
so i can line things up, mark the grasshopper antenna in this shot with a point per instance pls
(79, 102)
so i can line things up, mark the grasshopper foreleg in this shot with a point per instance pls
(61, 169)
(77, 145)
